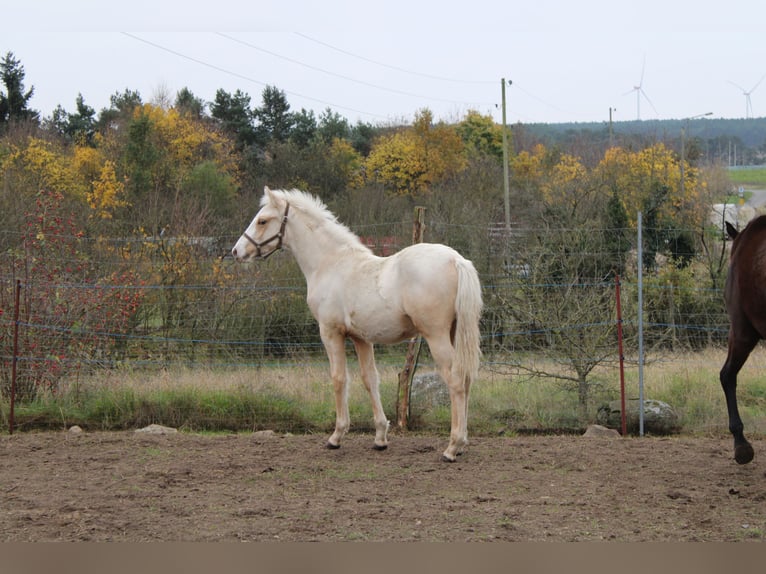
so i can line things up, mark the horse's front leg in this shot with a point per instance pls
(743, 450)
(371, 378)
(336, 352)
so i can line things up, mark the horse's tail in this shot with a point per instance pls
(468, 307)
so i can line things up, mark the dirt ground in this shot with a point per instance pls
(126, 486)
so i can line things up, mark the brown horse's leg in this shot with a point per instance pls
(739, 350)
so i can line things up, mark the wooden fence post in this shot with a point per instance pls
(16, 306)
(413, 348)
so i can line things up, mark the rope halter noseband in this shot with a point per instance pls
(277, 236)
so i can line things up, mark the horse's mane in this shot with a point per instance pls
(315, 209)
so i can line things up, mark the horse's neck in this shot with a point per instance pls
(310, 247)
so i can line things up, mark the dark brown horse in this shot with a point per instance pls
(745, 297)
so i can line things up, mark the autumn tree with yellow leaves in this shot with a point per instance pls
(411, 160)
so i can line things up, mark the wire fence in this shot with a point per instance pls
(88, 305)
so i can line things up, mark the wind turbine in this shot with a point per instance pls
(746, 93)
(639, 90)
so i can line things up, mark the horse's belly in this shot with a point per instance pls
(381, 331)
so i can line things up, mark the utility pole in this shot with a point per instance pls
(506, 175)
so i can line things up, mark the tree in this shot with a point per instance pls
(160, 162)
(332, 126)
(304, 128)
(14, 101)
(80, 126)
(411, 160)
(323, 168)
(106, 194)
(120, 109)
(481, 134)
(362, 136)
(188, 104)
(235, 116)
(52, 257)
(38, 164)
(273, 117)
(648, 180)
(617, 241)
(207, 189)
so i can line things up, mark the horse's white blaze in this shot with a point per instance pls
(352, 293)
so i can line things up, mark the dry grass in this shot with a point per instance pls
(499, 401)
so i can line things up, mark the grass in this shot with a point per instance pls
(755, 177)
(299, 399)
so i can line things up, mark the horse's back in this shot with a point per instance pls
(426, 269)
(427, 277)
(745, 292)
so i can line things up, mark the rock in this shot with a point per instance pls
(659, 418)
(264, 434)
(75, 429)
(598, 431)
(157, 429)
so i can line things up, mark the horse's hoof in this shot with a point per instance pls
(332, 446)
(446, 458)
(379, 446)
(743, 453)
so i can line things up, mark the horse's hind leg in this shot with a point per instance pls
(443, 354)
(336, 352)
(739, 350)
(371, 378)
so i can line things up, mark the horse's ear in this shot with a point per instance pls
(731, 230)
(273, 198)
(268, 195)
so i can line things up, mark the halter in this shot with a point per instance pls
(278, 236)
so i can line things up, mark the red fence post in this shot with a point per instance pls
(15, 355)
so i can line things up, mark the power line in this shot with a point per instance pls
(348, 78)
(398, 69)
(241, 76)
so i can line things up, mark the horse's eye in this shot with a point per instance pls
(261, 222)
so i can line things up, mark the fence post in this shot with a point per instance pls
(413, 348)
(640, 248)
(624, 426)
(15, 355)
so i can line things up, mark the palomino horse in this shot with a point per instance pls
(745, 296)
(425, 288)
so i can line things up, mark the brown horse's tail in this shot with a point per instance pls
(468, 307)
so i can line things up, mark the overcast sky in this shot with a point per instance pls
(378, 62)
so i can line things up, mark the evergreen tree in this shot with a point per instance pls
(304, 128)
(236, 118)
(14, 101)
(188, 104)
(121, 107)
(362, 136)
(332, 125)
(275, 122)
(79, 126)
